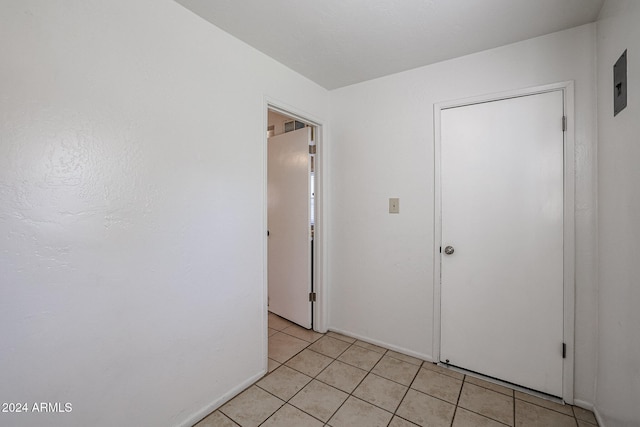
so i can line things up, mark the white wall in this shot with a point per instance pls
(381, 265)
(131, 209)
(618, 379)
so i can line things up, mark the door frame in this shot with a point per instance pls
(320, 229)
(567, 89)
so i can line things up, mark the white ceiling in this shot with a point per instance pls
(340, 42)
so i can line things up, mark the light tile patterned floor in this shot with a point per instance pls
(333, 380)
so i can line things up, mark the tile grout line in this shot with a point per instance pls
(478, 413)
(286, 402)
(370, 371)
(283, 364)
(406, 392)
(351, 344)
(455, 409)
(329, 385)
(351, 393)
(310, 342)
(348, 394)
(302, 388)
(355, 388)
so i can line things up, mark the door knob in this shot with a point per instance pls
(449, 250)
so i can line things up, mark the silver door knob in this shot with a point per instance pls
(449, 250)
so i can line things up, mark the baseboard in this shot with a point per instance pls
(202, 413)
(598, 417)
(583, 404)
(402, 350)
(591, 407)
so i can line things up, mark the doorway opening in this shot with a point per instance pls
(294, 229)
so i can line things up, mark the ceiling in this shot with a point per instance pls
(341, 42)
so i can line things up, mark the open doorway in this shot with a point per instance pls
(292, 255)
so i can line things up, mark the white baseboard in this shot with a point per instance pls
(583, 404)
(598, 417)
(199, 415)
(402, 350)
(590, 406)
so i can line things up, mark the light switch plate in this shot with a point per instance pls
(394, 205)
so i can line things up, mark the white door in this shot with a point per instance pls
(502, 213)
(288, 213)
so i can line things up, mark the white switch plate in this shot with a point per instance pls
(394, 205)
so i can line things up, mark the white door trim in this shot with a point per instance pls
(569, 219)
(320, 232)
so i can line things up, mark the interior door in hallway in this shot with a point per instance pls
(502, 239)
(288, 213)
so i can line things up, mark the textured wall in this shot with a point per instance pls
(618, 381)
(131, 209)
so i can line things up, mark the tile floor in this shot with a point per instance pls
(333, 380)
